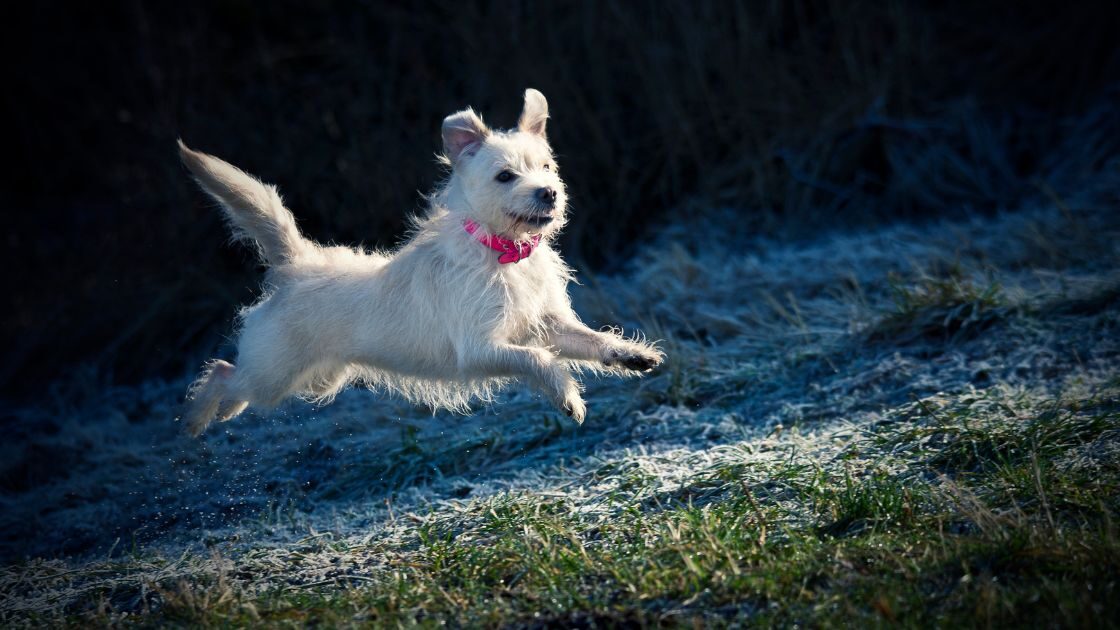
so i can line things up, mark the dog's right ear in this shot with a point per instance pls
(534, 116)
(463, 133)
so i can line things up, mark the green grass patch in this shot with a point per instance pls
(984, 508)
(949, 306)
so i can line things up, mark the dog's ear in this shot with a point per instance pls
(535, 113)
(463, 132)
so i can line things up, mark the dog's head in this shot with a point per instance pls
(506, 180)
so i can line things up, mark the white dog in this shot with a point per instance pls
(475, 297)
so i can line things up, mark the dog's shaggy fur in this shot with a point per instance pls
(438, 321)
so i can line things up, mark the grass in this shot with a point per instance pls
(877, 502)
(966, 509)
(947, 306)
(788, 467)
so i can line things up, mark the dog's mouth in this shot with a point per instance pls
(533, 220)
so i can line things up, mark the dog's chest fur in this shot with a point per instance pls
(524, 294)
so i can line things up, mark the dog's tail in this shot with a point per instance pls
(253, 208)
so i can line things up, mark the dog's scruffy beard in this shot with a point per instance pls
(444, 320)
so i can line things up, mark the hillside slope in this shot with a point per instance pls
(916, 423)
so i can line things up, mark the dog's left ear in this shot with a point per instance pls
(463, 133)
(535, 113)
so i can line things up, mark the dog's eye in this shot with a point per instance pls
(505, 176)
(548, 167)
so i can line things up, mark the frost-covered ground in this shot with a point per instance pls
(780, 353)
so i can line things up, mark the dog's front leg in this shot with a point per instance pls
(574, 340)
(537, 365)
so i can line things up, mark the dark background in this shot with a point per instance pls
(802, 115)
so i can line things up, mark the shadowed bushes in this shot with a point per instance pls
(798, 113)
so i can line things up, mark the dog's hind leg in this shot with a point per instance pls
(223, 392)
(230, 409)
(209, 397)
(328, 381)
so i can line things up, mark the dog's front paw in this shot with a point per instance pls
(638, 358)
(574, 406)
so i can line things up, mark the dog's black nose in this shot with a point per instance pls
(547, 195)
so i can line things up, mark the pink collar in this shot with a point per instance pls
(512, 251)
